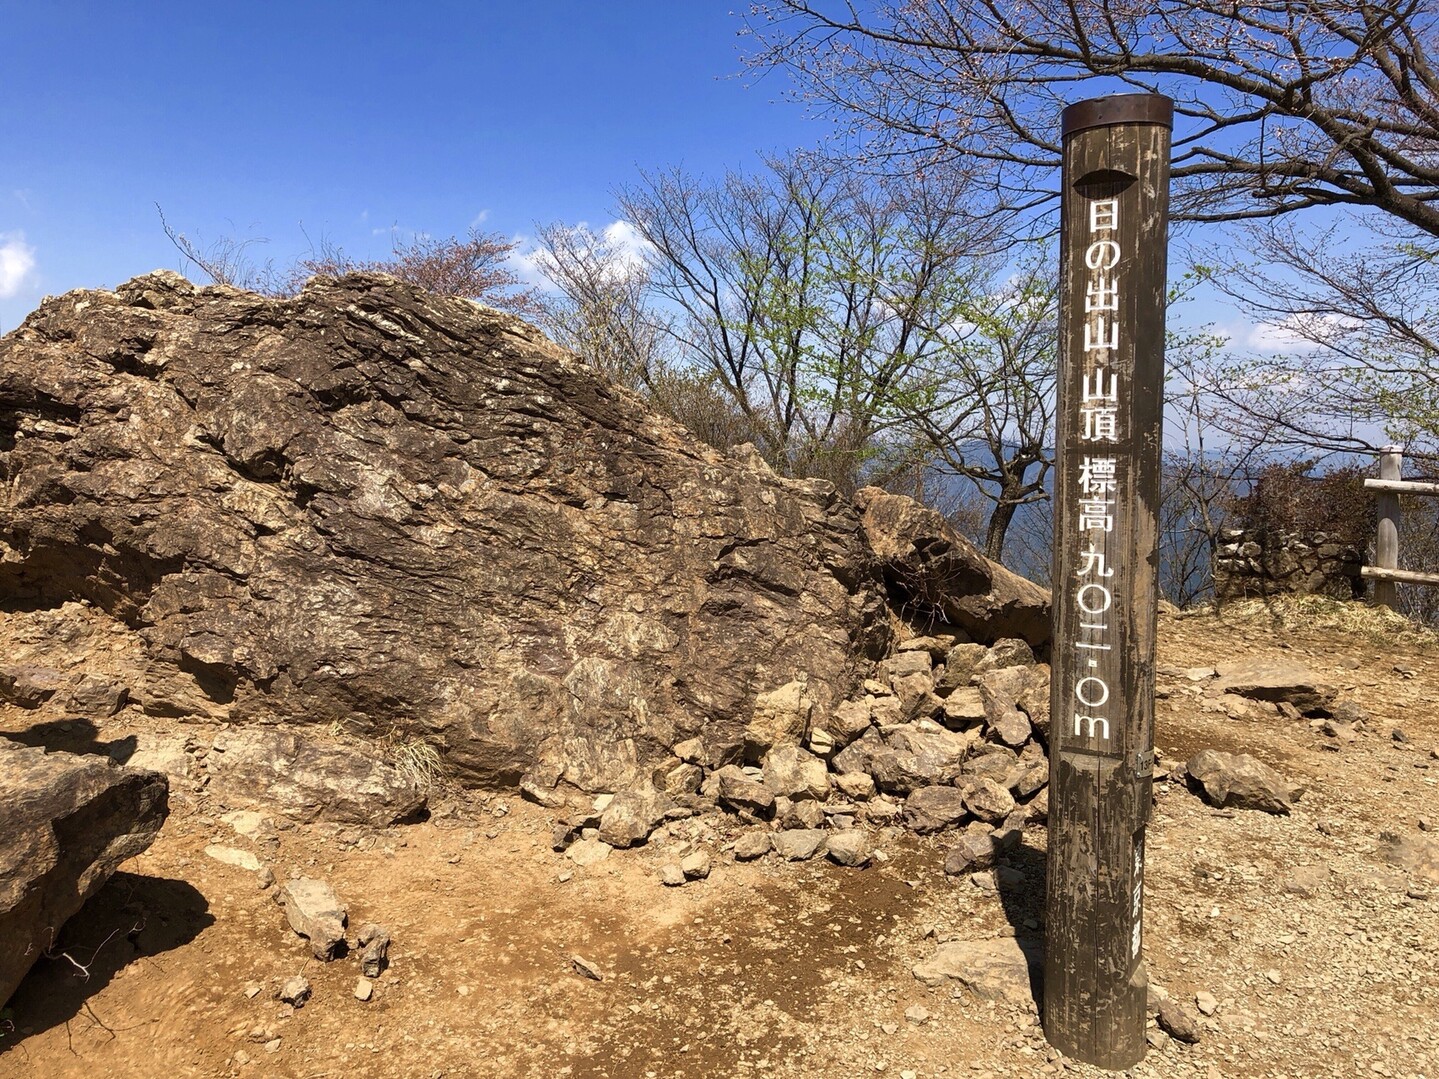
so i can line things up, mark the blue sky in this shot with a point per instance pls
(309, 121)
(261, 119)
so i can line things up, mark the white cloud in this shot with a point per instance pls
(479, 219)
(619, 244)
(624, 241)
(526, 261)
(17, 259)
(1297, 331)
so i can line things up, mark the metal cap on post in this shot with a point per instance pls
(1113, 222)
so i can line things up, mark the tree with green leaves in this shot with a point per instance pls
(816, 303)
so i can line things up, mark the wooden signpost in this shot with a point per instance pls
(1113, 250)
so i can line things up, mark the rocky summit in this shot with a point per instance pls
(374, 510)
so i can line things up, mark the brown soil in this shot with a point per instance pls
(771, 969)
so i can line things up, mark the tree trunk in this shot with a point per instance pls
(999, 522)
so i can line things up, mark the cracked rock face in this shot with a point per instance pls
(413, 516)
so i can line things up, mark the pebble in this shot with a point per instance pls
(295, 991)
(364, 989)
(584, 967)
(1176, 1022)
(1206, 1002)
(241, 859)
(696, 866)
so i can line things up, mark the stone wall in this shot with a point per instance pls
(1276, 563)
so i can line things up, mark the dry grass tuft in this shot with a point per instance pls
(1302, 612)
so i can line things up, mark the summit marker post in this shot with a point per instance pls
(1113, 251)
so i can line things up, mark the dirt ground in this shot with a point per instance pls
(1323, 958)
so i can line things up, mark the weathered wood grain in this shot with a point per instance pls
(1115, 192)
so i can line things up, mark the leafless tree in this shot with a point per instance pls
(1282, 105)
(814, 301)
(601, 308)
(476, 267)
(1356, 308)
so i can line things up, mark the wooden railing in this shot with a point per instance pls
(1388, 487)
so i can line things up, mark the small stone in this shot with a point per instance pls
(997, 969)
(801, 814)
(751, 845)
(1009, 833)
(1206, 1002)
(1176, 1021)
(252, 991)
(374, 944)
(585, 968)
(633, 814)
(696, 866)
(741, 793)
(917, 1013)
(247, 822)
(364, 989)
(798, 844)
(691, 751)
(313, 911)
(273, 1045)
(295, 991)
(588, 852)
(935, 808)
(988, 800)
(856, 785)
(849, 848)
(974, 851)
(671, 876)
(265, 878)
(1274, 976)
(241, 859)
(1237, 780)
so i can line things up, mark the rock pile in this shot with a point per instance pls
(948, 735)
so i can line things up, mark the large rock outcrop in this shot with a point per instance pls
(417, 518)
(70, 820)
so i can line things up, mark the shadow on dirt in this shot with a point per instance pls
(1020, 876)
(131, 919)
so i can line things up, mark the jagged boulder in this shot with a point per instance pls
(929, 566)
(415, 519)
(373, 506)
(69, 822)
